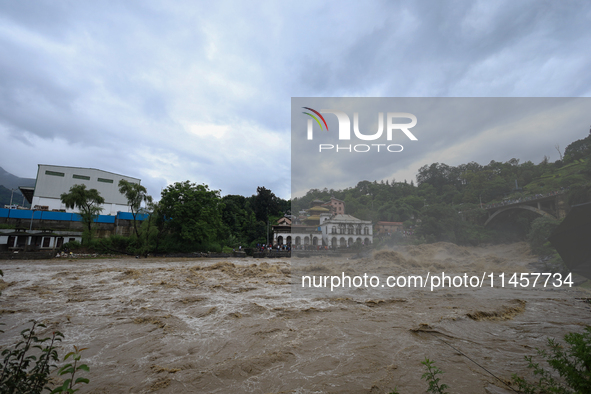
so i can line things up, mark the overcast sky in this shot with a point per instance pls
(449, 130)
(201, 91)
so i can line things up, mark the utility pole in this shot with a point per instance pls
(12, 192)
(30, 237)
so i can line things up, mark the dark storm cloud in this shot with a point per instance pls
(433, 48)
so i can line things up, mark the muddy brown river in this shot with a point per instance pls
(241, 326)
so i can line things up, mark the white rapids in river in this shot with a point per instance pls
(237, 325)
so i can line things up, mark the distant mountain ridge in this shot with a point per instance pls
(9, 182)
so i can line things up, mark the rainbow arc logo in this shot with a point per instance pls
(344, 128)
(315, 118)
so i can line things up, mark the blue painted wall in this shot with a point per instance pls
(63, 216)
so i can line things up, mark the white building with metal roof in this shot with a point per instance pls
(52, 181)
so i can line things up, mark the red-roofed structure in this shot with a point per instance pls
(388, 227)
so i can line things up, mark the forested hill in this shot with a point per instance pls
(440, 187)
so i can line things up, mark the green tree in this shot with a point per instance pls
(88, 203)
(540, 230)
(192, 213)
(149, 231)
(578, 149)
(580, 194)
(437, 175)
(439, 223)
(135, 195)
(265, 204)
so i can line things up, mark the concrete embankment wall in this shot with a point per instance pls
(26, 255)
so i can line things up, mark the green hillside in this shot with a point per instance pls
(432, 206)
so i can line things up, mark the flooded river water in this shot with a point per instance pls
(238, 325)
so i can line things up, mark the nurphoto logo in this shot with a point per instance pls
(345, 130)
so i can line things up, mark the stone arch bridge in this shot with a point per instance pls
(552, 205)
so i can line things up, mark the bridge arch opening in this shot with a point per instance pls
(526, 207)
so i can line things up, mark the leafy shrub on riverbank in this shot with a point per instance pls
(432, 378)
(72, 245)
(113, 244)
(26, 368)
(572, 363)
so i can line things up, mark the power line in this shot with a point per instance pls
(463, 354)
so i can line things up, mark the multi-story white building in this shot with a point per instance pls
(323, 224)
(345, 230)
(336, 231)
(52, 181)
